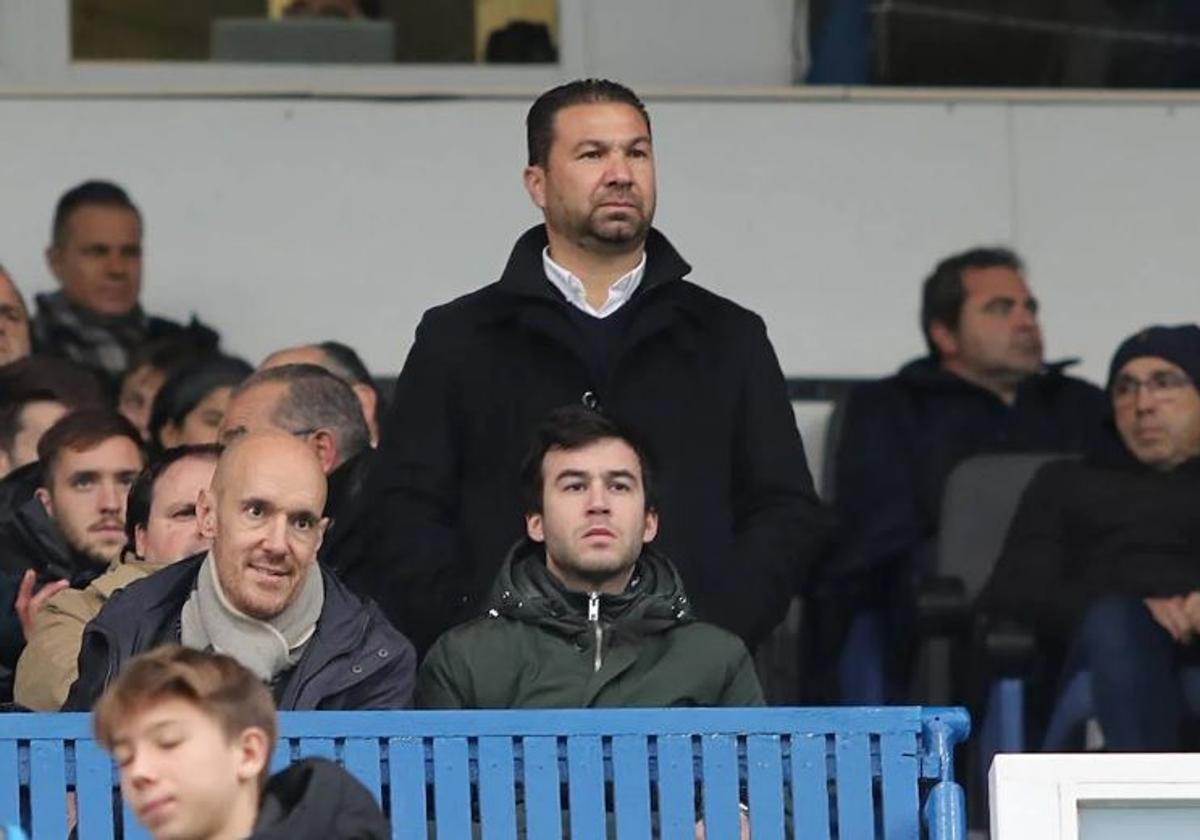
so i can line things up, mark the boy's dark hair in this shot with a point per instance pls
(539, 124)
(187, 388)
(574, 427)
(89, 192)
(141, 493)
(943, 294)
(216, 684)
(80, 431)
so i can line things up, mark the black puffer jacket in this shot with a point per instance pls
(31, 540)
(317, 800)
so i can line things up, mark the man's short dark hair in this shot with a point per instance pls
(943, 294)
(539, 124)
(315, 399)
(103, 193)
(141, 493)
(573, 427)
(344, 361)
(80, 431)
(42, 379)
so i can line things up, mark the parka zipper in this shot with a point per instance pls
(597, 630)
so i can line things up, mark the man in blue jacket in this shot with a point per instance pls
(259, 595)
(983, 388)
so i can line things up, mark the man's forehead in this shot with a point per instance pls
(304, 355)
(1146, 365)
(271, 467)
(8, 289)
(254, 404)
(994, 281)
(601, 456)
(102, 220)
(114, 453)
(599, 121)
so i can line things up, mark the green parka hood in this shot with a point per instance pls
(525, 590)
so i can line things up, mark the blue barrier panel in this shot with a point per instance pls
(764, 759)
(676, 787)
(631, 786)
(407, 774)
(632, 774)
(497, 788)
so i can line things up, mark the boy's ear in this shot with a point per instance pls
(253, 753)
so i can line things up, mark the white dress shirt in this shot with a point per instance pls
(573, 290)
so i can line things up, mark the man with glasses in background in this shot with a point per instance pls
(1103, 558)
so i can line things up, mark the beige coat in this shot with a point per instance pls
(50, 662)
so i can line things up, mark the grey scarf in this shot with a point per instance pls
(268, 648)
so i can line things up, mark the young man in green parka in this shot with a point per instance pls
(584, 612)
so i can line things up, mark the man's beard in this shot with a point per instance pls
(617, 237)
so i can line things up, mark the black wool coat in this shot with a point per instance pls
(693, 372)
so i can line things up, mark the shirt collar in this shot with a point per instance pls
(573, 289)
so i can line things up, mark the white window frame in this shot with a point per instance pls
(1037, 797)
(35, 58)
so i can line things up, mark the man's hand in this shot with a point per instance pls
(1191, 606)
(29, 604)
(1172, 614)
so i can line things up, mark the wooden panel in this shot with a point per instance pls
(94, 780)
(855, 803)
(361, 757)
(585, 786)
(48, 785)
(10, 792)
(676, 787)
(406, 775)
(631, 786)
(764, 770)
(901, 804)
(497, 789)
(318, 748)
(452, 787)
(810, 786)
(721, 792)
(543, 805)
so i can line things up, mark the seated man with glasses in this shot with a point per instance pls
(1103, 558)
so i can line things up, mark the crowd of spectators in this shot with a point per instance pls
(588, 489)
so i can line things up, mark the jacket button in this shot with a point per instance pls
(383, 654)
(357, 669)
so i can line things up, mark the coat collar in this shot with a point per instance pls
(524, 274)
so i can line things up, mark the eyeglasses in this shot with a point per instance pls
(1161, 385)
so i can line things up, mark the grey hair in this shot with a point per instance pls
(316, 399)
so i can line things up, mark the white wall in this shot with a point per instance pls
(284, 221)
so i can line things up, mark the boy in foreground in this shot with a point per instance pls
(193, 733)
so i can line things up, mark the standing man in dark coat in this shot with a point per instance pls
(593, 307)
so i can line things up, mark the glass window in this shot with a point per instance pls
(316, 31)
(1175, 820)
